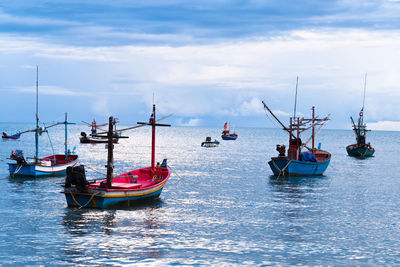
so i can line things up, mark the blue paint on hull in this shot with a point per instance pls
(104, 202)
(228, 137)
(298, 168)
(30, 170)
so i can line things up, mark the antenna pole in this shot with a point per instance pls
(295, 98)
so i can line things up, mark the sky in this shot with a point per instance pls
(206, 62)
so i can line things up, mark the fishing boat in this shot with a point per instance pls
(96, 138)
(12, 137)
(226, 134)
(209, 142)
(134, 185)
(311, 162)
(50, 165)
(361, 149)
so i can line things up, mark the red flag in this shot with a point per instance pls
(226, 125)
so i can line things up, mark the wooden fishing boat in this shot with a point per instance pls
(361, 149)
(209, 142)
(137, 184)
(227, 135)
(313, 161)
(50, 165)
(96, 138)
(12, 137)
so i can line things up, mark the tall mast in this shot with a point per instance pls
(295, 98)
(365, 88)
(153, 137)
(313, 126)
(153, 124)
(110, 157)
(66, 137)
(37, 117)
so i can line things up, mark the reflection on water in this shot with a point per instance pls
(226, 209)
(130, 231)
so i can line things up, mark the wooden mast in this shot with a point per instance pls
(313, 127)
(153, 124)
(37, 117)
(110, 157)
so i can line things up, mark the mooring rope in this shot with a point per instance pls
(82, 206)
(283, 170)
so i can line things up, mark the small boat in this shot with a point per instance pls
(97, 138)
(50, 165)
(12, 137)
(143, 183)
(227, 135)
(361, 149)
(313, 161)
(209, 143)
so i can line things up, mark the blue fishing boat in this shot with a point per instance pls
(45, 166)
(226, 134)
(12, 137)
(312, 162)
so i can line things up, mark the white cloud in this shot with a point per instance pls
(50, 90)
(385, 125)
(191, 122)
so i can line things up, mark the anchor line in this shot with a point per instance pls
(186, 181)
(283, 170)
(82, 206)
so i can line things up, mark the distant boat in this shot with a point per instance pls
(226, 134)
(209, 143)
(137, 184)
(312, 162)
(50, 165)
(361, 149)
(96, 138)
(12, 137)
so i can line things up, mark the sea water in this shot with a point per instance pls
(221, 206)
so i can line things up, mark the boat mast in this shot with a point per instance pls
(313, 126)
(284, 127)
(37, 117)
(110, 147)
(66, 137)
(153, 124)
(295, 98)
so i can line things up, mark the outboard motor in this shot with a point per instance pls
(18, 155)
(83, 134)
(76, 176)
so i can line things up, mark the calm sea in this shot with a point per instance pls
(220, 207)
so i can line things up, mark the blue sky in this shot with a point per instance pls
(205, 61)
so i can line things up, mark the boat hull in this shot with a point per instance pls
(209, 144)
(97, 197)
(359, 152)
(283, 166)
(229, 137)
(35, 170)
(86, 140)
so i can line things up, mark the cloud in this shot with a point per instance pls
(385, 125)
(190, 123)
(50, 90)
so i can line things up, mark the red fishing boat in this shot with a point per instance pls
(226, 133)
(137, 184)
